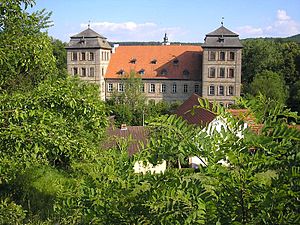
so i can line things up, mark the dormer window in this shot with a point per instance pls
(221, 39)
(133, 61)
(186, 73)
(121, 72)
(153, 61)
(142, 72)
(175, 61)
(163, 72)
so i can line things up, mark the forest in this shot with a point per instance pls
(53, 169)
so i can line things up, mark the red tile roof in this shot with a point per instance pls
(200, 116)
(175, 59)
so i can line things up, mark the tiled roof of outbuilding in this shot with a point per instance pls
(199, 116)
(179, 62)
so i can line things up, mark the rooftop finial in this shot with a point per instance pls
(166, 40)
(89, 25)
(222, 22)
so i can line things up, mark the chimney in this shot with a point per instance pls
(114, 48)
(123, 126)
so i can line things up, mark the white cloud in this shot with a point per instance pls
(281, 15)
(132, 31)
(249, 31)
(283, 26)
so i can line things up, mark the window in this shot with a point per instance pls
(222, 72)
(142, 72)
(221, 90)
(102, 55)
(75, 71)
(196, 88)
(92, 72)
(212, 55)
(185, 88)
(142, 88)
(83, 56)
(222, 56)
(133, 61)
(175, 62)
(120, 87)
(153, 61)
(163, 72)
(120, 72)
(102, 71)
(231, 73)
(186, 73)
(230, 90)
(110, 87)
(231, 56)
(83, 72)
(74, 56)
(163, 88)
(152, 88)
(174, 88)
(211, 90)
(91, 56)
(212, 72)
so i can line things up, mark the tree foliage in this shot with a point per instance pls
(270, 84)
(26, 58)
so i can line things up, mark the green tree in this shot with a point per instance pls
(60, 55)
(129, 106)
(26, 58)
(270, 84)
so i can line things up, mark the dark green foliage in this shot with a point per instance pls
(60, 54)
(270, 84)
(55, 123)
(26, 57)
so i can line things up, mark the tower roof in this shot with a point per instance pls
(88, 33)
(222, 37)
(222, 31)
(88, 39)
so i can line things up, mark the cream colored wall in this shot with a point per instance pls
(140, 167)
(217, 81)
(157, 96)
(99, 64)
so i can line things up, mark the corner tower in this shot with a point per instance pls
(221, 66)
(88, 55)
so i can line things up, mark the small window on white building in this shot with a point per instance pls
(231, 56)
(120, 87)
(152, 88)
(222, 72)
(212, 56)
(211, 90)
(142, 88)
(212, 72)
(83, 56)
(185, 88)
(221, 90)
(109, 87)
(163, 88)
(74, 56)
(230, 73)
(230, 90)
(92, 72)
(222, 56)
(91, 56)
(75, 71)
(83, 72)
(196, 88)
(174, 88)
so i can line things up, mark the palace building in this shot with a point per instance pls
(169, 72)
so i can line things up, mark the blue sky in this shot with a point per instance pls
(186, 21)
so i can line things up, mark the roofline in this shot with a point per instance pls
(222, 46)
(105, 78)
(88, 48)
